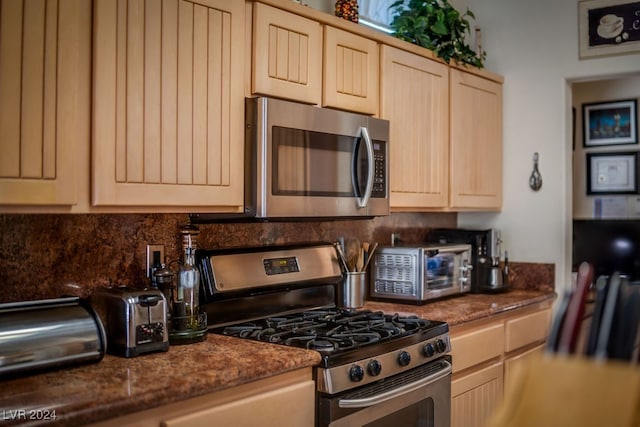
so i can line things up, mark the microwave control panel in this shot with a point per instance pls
(380, 169)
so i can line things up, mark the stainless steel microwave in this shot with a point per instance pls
(419, 274)
(303, 161)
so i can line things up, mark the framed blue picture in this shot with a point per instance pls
(610, 123)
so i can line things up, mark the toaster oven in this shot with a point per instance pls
(419, 274)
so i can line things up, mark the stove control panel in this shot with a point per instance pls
(364, 371)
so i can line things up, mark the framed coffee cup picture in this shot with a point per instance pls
(608, 27)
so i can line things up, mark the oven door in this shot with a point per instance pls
(420, 397)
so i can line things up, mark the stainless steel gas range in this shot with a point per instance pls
(377, 369)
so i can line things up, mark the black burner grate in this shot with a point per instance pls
(329, 330)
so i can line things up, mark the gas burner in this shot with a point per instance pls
(321, 345)
(329, 330)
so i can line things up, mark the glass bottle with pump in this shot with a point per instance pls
(186, 298)
(188, 283)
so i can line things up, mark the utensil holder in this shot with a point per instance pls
(352, 290)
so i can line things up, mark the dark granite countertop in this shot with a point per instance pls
(116, 385)
(461, 309)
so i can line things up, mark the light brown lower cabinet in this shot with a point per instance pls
(511, 364)
(286, 400)
(474, 397)
(484, 355)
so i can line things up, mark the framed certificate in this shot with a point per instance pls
(612, 173)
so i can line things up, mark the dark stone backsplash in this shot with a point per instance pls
(47, 256)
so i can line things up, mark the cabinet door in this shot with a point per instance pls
(475, 397)
(351, 72)
(45, 67)
(287, 55)
(168, 103)
(476, 142)
(415, 98)
(519, 362)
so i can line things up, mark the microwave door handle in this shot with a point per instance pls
(364, 200)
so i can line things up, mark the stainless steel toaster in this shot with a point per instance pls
(135, 320)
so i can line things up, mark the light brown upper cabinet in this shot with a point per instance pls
(45, 64)
(287, 55)
(446, 134)
(300, 59)
(351, 76)
(476, 142)
(168, 104)
(415, 99)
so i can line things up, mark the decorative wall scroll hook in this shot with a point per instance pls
(535, 180)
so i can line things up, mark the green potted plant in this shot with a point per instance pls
(437, 26)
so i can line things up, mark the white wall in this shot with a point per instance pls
(534, 44)
(601, 91)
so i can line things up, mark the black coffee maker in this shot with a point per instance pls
(484, 248)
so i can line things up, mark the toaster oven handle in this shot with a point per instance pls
(364, 200)
(397, 392)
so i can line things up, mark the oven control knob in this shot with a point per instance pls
(428, 350)
(374, 368)
(356, 373)
(404, 358)
(441, 346)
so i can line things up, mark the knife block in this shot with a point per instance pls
(562, 391)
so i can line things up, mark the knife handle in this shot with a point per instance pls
(575, 310)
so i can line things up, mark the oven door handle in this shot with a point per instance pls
(396, 392)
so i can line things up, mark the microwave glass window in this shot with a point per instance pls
(440, 270)
(307, 163)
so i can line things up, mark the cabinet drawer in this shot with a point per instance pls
(263, 409)
(474, 347)
(526, 330)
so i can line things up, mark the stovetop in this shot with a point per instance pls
(339, 335)
(287, 295)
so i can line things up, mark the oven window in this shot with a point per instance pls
(440, 269)
(420, 414)
(307, 163)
